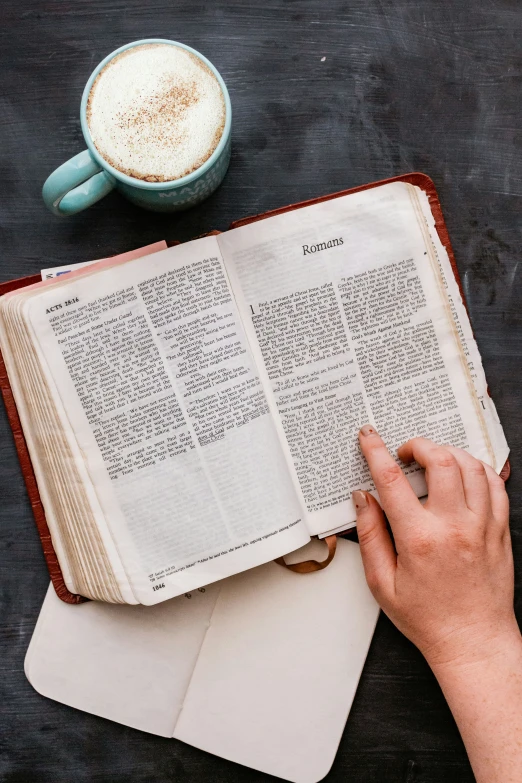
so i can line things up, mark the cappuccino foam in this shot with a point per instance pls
(156, 112)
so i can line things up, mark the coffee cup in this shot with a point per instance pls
(92, 174)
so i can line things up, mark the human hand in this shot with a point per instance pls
(448, 582)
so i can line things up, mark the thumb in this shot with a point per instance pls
(377, 550)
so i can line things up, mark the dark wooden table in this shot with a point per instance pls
(326, 96)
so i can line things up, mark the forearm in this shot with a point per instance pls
(446, 581)
(485, 697)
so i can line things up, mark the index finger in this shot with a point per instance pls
(398, 499)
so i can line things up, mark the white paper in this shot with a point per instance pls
(58, 271)
(280, 656)
(280, 664)
(129, 664)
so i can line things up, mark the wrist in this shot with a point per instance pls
(483, 688)
(472, 647)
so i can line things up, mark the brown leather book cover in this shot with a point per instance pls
(421, 180)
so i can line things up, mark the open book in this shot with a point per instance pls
(261, 668)
(194, 413)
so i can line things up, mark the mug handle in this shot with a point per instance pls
(76, 184)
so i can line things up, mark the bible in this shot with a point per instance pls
(194, 413)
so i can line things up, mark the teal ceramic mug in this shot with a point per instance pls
(86, 178)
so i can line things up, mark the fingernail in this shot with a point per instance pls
(359, 499)
(368, 430)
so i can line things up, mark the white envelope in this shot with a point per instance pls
(261, 668)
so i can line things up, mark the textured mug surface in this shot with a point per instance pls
(86, 178)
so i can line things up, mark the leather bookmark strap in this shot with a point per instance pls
(308, 566)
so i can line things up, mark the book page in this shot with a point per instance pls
(160, 390)
(348, 315)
